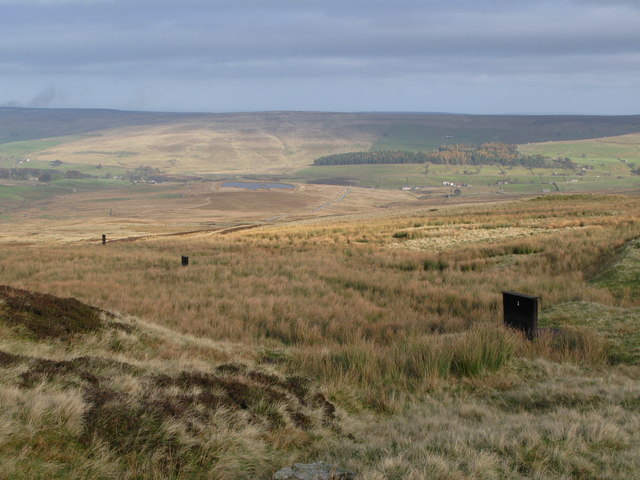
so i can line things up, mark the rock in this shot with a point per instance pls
(313, 471)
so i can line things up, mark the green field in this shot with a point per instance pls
(378, 176)
(399, 175)
(47, 190)
(612, 154)
(518, 179)
(25, 147)
(102, 172)
(603, 164)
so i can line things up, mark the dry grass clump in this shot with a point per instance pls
(147, 418)
(558, 424)
(156, 425)
(409, 366)
(576, 345)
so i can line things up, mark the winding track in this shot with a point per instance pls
(342, 196)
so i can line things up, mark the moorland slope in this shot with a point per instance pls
(267, 142)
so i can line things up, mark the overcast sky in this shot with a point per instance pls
(467, 56)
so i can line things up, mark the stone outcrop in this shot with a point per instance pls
(313, 471)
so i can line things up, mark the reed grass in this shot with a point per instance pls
(402, 334)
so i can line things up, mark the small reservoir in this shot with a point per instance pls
(259, 185)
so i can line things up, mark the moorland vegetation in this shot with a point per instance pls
(373, 342)
(359, 326)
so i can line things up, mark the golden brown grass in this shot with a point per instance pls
(147, 210)
(242, 143)
(554, 422)
(404, 338)
(314, 283)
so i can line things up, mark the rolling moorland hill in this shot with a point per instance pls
(35, 123)
(267, 142)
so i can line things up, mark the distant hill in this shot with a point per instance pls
(33, 123)
(427, 132)
(268, 142)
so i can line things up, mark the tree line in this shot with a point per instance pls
(378, 157)
(493, 153)
(41, 174)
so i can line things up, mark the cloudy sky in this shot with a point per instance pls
(467, 56)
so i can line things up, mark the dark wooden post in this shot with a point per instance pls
(104, 239)
(521, 312)
(185, 260)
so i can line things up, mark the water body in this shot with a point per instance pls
(258, 185)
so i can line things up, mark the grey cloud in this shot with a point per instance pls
(548, 41)
(258, 33)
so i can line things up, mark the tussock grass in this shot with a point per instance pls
(303, 342)
(148, 418)
(378, 377)
(461, 437)
(302, 288)
(577, 345)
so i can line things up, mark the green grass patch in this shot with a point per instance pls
(26, 147)
(89, 184)
(624, 274)
(515, 179)
(618, 325)
(377, 176)
(60, 171)
(47, 190)
(613, 155)
(21, 193)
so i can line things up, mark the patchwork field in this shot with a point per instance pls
(282, 145)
